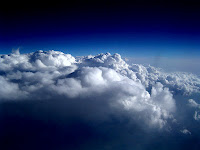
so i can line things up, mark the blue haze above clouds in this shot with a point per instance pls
(60, 89)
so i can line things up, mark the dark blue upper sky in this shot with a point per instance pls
(140, 28)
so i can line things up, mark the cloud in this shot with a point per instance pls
(194, 104)
(60, 74)
(98, 92)
(9, 90)
(185, 131)
(196, 115)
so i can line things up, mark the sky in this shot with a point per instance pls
(76, 75)
(140, 28)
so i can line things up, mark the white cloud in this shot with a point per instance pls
(9, 90)
(186, 83)
(93, 99)
(185, 131)
(142, 93)
(195, 105)
(197, 115)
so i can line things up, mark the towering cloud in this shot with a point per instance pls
(98, 91)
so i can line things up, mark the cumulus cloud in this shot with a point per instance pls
(100, 89)
(61, 74)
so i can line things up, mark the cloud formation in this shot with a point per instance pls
(195, 105)
(54, 72)
(96, 89)
(185, 131)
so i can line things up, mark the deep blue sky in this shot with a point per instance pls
(155, 28)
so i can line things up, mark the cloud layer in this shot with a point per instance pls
(96, 90)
